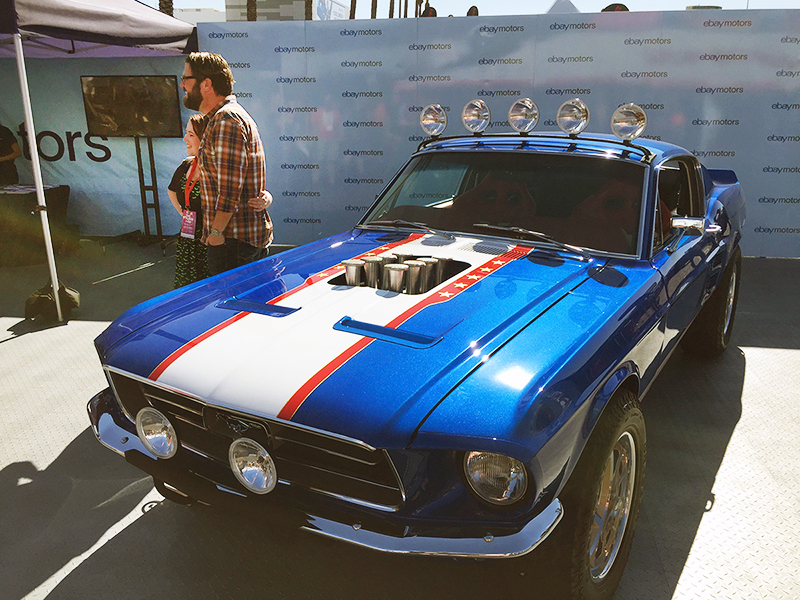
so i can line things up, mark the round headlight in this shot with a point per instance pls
(253, 466)
(433, 119)
(476, 116)
(628, 122)
(156, 432)
(523, 115)
(573, 116)
(496, 478)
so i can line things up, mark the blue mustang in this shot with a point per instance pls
(463, 368)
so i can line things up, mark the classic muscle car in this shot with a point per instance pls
(459, 374)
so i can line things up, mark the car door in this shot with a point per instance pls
(680, 255)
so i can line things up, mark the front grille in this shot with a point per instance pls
(310, 459)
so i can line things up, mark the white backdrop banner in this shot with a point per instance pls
(338, 103)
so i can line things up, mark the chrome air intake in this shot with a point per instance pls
(399, 273)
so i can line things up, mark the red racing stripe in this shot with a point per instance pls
(446, 293)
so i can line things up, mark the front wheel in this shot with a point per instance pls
(601, 504)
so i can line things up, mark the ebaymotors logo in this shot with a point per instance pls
(228, 35)
(298, 167)
(296, 109)
(362, 181)
(299, 194)
(426, 47)
(243, 94)
(566, 60)
(357, 124)
(789, 74)
(359, 32)
(647, 106)
(353, 64)
(492, 62)
(787, 39)
(417, 138)
(418, 109)
(294, 49)
(428, 78)
(493, 124)
(643, 74)
(352, 208)
(718, 57)
(298, 138)
(766, 200)
(782, 170)
(499, 93)
(713, 122)
(291, 80)
(783, 138)
(239, 65)
(295, 221)
(719, 90)
(647, 41)
(568, 92)
(714, 153)
(502, 29)
(358, 153)
(720, 24)
(572, 26)
(348, 94)
(781, 106)
(773, 230)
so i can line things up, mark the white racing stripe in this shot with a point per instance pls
(259, 362)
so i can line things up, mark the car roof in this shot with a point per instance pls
(602, 145)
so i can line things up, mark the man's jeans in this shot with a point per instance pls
(233, 253)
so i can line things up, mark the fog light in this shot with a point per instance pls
(573, 116)
(156, 432)
(628, 122)
(523, 115)
(476, 116)
(496, 478)
(253, 466)
(433, 120)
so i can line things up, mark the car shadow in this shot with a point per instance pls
(50, 516)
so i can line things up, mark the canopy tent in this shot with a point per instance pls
(58, 26)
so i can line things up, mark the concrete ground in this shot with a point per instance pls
(720, 516)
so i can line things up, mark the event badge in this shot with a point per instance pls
(188, 224)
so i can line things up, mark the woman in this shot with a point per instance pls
(191, 262)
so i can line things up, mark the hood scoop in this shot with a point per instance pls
(271, 310)
(387, 334)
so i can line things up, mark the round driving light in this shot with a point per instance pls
(523, 115)
(628, 122)
(156, 432)
(476, 116)
(433, 119)
(496, 478)
(253, 466)
(573, 116)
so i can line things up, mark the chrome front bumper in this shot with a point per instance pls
(115, 431)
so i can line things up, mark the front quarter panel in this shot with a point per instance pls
(538, 397)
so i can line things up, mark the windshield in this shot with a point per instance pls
(580, 200)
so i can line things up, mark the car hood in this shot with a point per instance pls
(283, 338)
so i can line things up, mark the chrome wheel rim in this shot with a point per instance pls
(613, 506)
(730, 299)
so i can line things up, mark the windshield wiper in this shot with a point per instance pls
(402, 223)
(542, 237)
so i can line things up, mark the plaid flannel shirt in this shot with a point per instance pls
(233, 169)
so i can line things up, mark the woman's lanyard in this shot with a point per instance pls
(190, 183)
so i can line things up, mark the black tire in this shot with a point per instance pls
(710, 332)
(590, 547)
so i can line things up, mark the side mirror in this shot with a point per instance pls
(688, 223)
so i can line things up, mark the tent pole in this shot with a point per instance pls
(37, 170)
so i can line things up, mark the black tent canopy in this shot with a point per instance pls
(125, 23)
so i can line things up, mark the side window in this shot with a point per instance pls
(678, 196)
